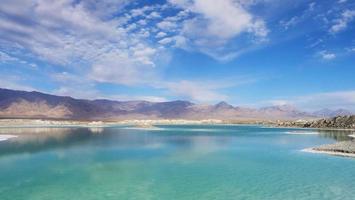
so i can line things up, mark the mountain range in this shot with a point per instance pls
(23, 104)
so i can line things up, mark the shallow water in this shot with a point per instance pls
(172, 162)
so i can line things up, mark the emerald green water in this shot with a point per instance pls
(173, 162)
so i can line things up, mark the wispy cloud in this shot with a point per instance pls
(71, 33)
(74, 86)
(214, 25)
(342, 22)
(331, 100)
(122, 49)
(88, 43)
(8, 59)
(196, 91)
(4, 57)
(204, 91)
(325, 55)
(137, 98)
(290, 22)
(14, 82)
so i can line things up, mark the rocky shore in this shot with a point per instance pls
(344, 148)
(339, 122)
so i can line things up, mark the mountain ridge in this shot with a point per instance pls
(22, 104)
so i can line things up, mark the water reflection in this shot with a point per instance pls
(337, 135)
(189, 144)
(198, 147)
(31, 140)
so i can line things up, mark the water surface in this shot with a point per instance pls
(172, 162)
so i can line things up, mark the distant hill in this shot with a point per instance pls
(331, 113)
(22, 104)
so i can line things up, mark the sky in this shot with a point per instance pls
(246, 52)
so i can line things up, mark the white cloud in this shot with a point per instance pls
(90, 39)
(327, 55)
(331, 100)
(311, 6)
(4, 57)
(279, 102)
(71, 34)
(196, 91)
(121, 69)
(204, 91)
(14, 82)
(137, 98)
(165, 41)
(89, 35)
(341, 23)
(161, 34)
(105, 9)
(77, 92)
(74, 86)
(213, 26)
(153, 15)
(167, 25)
(140, 12)
(224, 20)
(81, 87)
(289, 23)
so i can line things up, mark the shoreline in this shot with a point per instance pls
(342, 148)
(29, 123)
(33, 123)
(311, 128)
(345, 149)
(333, 153)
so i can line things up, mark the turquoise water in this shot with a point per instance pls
(173, 162)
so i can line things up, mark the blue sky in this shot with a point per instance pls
(246, 52)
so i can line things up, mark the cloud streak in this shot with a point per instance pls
(342, 22)
(90, 43)
(327, 55)
(214, 25)
(331, 100)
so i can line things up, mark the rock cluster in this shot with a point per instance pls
(341, 147)
(298, 123)
(339, 122)
(343, 122)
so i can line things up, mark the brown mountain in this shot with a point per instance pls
(22, 104)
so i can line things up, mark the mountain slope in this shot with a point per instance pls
(21, 104)
(331, 113)
(35, 104)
